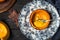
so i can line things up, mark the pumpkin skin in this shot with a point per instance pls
(39, 14)
(4, 31)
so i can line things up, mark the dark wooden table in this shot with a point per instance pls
(15, 33)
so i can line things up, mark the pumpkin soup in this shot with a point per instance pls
(37, 19)
(4, 31)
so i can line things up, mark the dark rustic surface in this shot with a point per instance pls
(15, 32)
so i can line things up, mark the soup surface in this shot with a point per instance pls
(38, 18)
(3, 30)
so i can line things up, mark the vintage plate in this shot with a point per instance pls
(28, 30)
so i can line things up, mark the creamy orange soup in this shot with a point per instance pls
(4, 31)
(37, 17)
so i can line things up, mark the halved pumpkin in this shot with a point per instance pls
(36, 18)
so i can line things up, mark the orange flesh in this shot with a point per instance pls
(39, 14)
